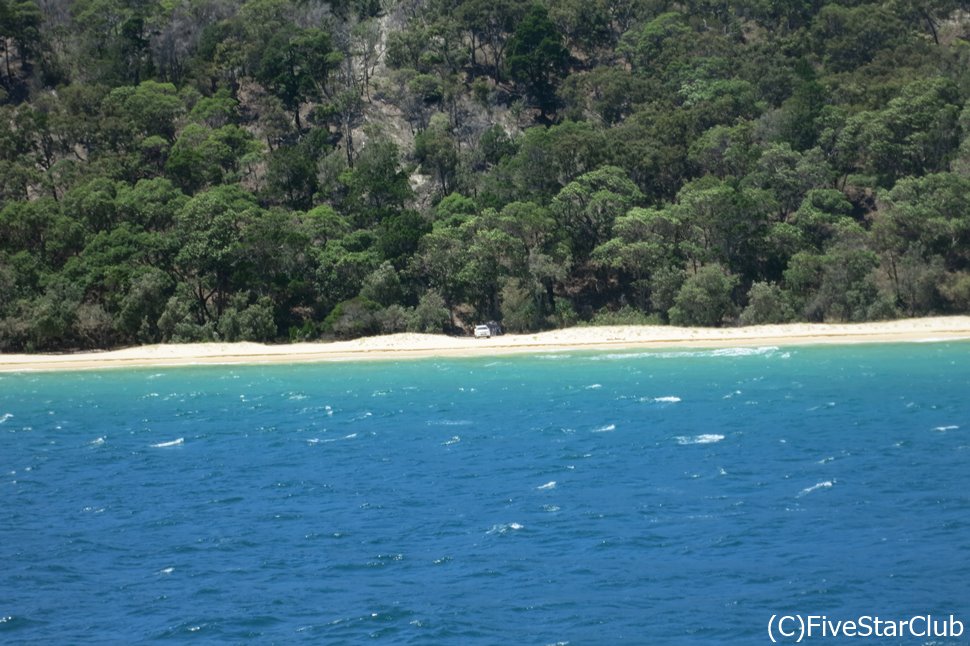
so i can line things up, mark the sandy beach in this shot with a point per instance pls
(413, 346)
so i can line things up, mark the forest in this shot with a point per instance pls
(283, 170)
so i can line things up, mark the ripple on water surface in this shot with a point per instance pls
(580, 497)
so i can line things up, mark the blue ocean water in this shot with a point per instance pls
(582, 498)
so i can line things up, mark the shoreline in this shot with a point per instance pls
(421, 346)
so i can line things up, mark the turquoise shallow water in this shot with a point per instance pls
(679, 497)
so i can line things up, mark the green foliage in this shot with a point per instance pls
(437, 151)
(376, 184)
(536, 57)
(274, 169)
(519, 311)
(354, 318)
(149, 108)
(295, 64)
(626, 315)
(847, 37)
(767, 303)
(704, 299)
(588, 206)
(431, 315)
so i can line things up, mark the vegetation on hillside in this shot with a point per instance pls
(182, 170)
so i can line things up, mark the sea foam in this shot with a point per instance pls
(165, 445)
(549, 485)
(821, 485)
(704, 438)
(505, 528)
(688, 354)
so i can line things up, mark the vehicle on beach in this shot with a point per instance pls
(482, 332)
(487, 330)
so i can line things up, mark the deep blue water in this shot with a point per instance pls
(643, 498)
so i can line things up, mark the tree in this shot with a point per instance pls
(519, 311)
(789, 175)
(376, 184)
(437, 151)
(490, 22)
(431, 315)
(208, 230)
(654, 46)
(646, 242)
(726, 225)
(847, 37)
(704, 299)
(295, 66)
(537, 59)
(20, 22)
(587, 207)
(767, 303)
(847, 290)
(150, 108)
(932, 213)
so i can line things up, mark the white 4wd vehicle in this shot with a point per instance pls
(482, 331)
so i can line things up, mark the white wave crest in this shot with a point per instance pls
(944, 429)
(704, 438)
(505, 528)
(97, 441)
(549, 485)
(681, 354)
(5, 417)
(594, 386)
(165, 445)
(455, 439)
(630, 355)
(605, 429)
(668, 399)
(744, 352)
(815, 487)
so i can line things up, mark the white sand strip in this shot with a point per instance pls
(406, 346)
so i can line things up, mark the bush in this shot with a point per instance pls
(767, 303)
(354, 318)
(176, 323)
(242, 322)
(565, 314)
(626, 315)
(704, 299)
(393, 319)
(431, 315)
(519, 312)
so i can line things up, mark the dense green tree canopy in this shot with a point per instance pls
(282, 169)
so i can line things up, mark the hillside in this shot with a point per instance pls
(269, 170)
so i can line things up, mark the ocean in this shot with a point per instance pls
(637, 497)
